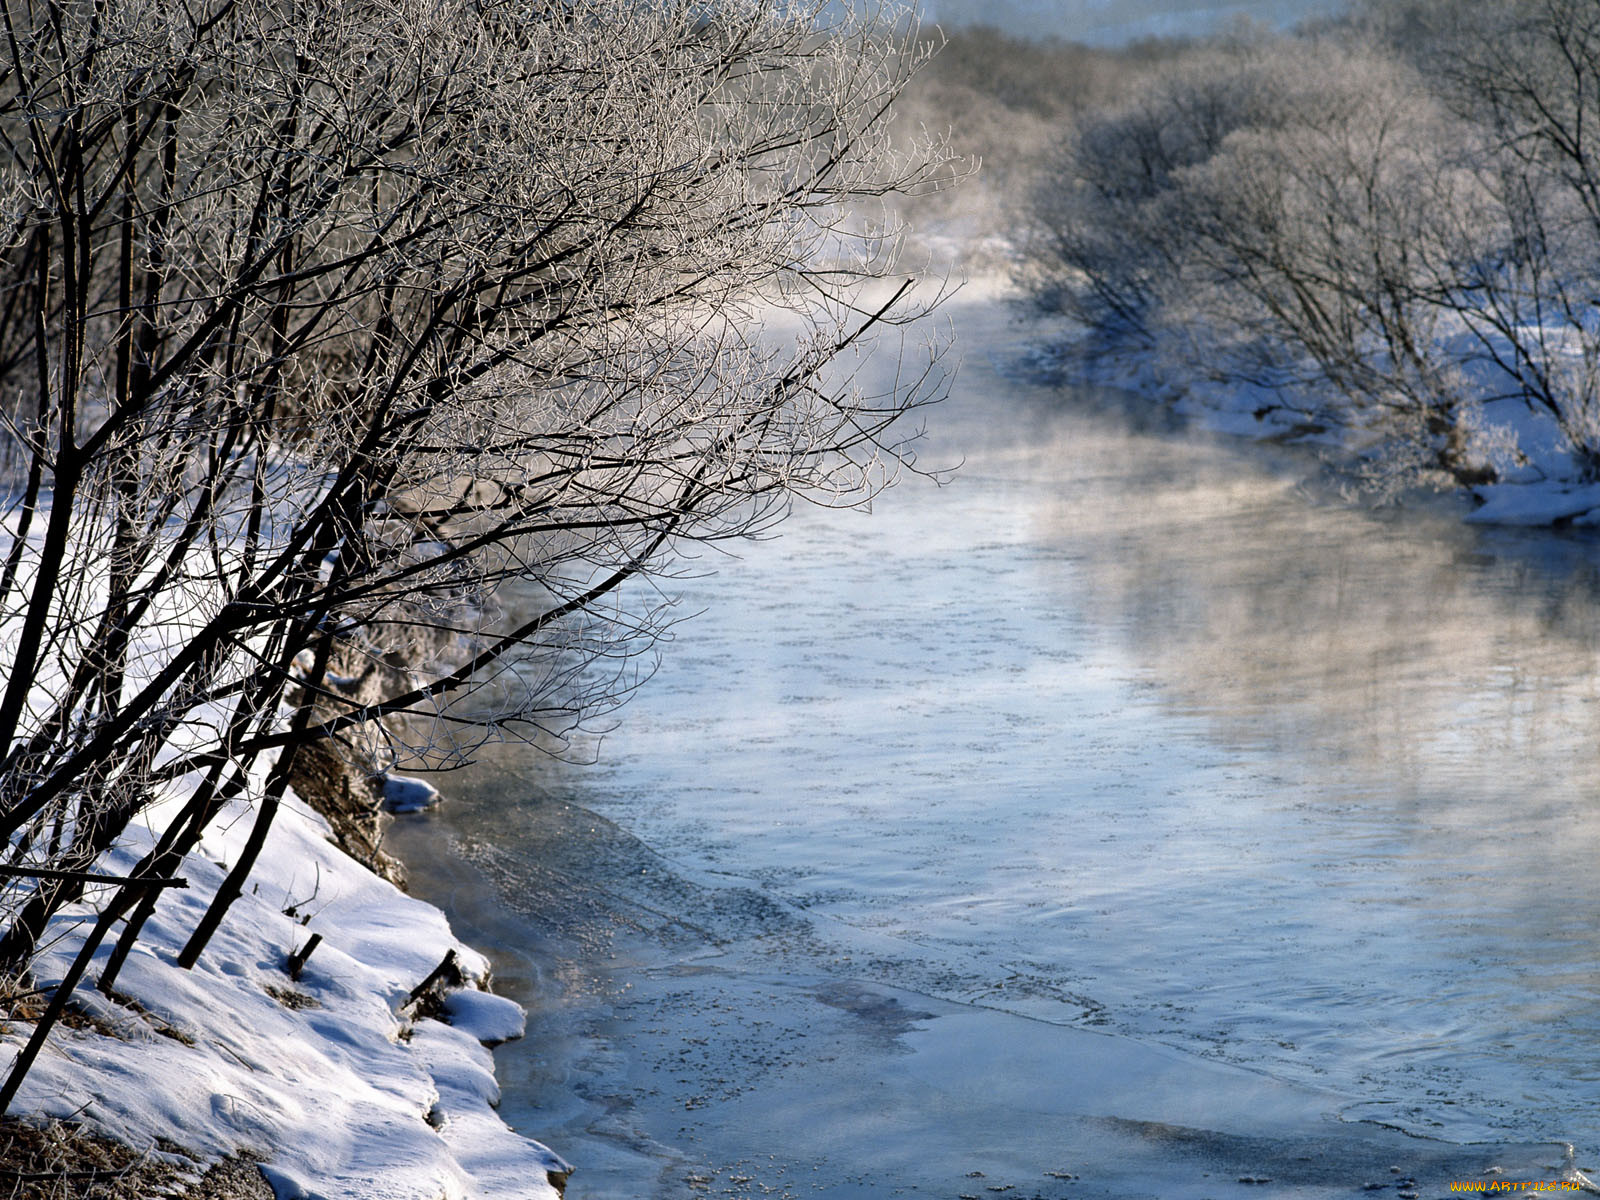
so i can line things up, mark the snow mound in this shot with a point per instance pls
(489, 1018)
(1536, 504)
(404, 794)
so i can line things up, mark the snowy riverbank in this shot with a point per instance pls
(332, 1081)
(1528, 473)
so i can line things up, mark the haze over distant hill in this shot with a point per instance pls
(1109, 22)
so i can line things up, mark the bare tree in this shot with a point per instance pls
(1097, 240)
(1314, 250)
(1525, 276)
(323, 321)
(1391, 225)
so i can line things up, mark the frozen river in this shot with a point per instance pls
(1120, 819)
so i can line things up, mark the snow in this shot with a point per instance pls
(489, 1018)
(1542, 503)
(1539, 478)
(323, 1078)
(406, 794)
(336, 1093)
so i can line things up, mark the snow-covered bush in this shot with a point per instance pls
(1097, 241)
(1392, 228)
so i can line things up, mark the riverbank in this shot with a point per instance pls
(336, 1081)
(1517, 470)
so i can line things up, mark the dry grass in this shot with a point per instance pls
(57, 1160)
(60, 1161)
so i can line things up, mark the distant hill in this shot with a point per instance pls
(1110, 22)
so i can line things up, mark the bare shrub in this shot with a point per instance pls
(1096, 243)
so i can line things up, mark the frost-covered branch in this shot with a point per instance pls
(322, 322)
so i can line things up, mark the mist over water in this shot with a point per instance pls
(1128, 817)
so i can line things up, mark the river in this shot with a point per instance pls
(1130, 816)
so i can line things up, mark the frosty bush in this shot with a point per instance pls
(1391, 223)
(321, 321)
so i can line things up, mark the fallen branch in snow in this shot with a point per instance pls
(155, 881)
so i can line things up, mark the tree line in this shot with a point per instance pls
(1382, 224)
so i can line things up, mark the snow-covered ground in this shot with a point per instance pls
(336, 1090)
(1537, 477)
